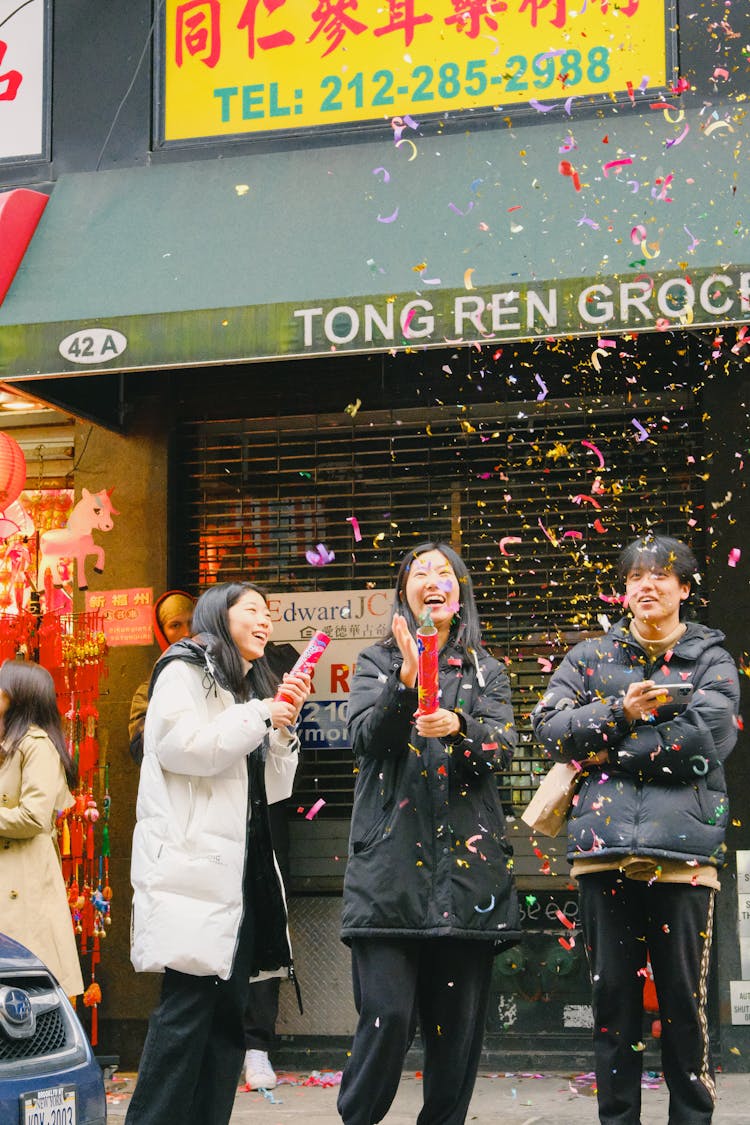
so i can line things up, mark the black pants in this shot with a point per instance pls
(623, 921)
(193, 1054)
(443, 981)
(261, 1013)
(262, 1009)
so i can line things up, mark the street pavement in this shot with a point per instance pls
(522, 1098)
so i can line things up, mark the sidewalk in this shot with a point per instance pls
(520, 1099)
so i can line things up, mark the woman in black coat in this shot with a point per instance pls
(428, 894)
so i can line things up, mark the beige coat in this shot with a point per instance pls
(33, 901)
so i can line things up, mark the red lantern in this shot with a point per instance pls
(12, 471)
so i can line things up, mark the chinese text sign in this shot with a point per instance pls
(252, 66)
(127, 615)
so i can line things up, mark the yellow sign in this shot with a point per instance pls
(252, 66)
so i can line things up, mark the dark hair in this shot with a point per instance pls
(211, 622)
(658, 552)
(466, 630)
(32, 700)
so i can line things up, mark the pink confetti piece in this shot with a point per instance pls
(508, 539)
(388, 218)
(565, 921)
(386, 174)
(720, 72)
(594, 449)
(313, 812)
(544, 663)
(642, 433)
(607, 343)
(638, 234)
(355, 528)
(550, 535)
(572, 535)
(734, 556)
(606, 168)
(320, 557)
(678, 140)
(614, 599)
(472, 841)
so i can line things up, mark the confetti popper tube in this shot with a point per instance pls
(306, 661)
(427, 669)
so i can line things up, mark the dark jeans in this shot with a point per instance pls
(443, 981)
(261, 1013)
(193, 1054)
(623, 921)
(262, 1008)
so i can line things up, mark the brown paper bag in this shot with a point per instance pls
(548, 809)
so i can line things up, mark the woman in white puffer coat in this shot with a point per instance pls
(208, 904)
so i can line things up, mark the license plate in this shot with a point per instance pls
(56, 1106)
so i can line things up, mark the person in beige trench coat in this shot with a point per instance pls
(36, 774)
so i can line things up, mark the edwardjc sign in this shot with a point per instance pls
(446, 317)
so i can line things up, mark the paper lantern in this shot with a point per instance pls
(12, 471)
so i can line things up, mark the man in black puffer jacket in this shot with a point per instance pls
(646, 831)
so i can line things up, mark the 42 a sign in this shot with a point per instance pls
(93, 345)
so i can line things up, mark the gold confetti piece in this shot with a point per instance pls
(242, 189)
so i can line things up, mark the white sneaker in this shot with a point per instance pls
(259, 1074)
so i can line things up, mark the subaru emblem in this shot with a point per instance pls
(17, 1006)
(17, 1014)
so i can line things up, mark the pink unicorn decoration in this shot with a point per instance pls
(93, 511)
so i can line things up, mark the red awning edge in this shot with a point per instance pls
(20, 212)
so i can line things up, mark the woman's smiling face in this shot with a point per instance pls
(250, 625)
(432, 585)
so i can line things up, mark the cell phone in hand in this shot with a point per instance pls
(674, 696)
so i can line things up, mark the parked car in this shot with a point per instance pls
(48, 1073)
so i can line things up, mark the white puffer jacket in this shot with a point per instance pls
(192, 813)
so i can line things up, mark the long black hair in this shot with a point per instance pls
(466, 630)
(211, 626)
(32, 700)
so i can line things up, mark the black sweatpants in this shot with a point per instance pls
(443, 981)
(623, 921)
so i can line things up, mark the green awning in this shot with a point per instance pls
(472, 237)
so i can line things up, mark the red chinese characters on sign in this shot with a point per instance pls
(333, 21)
(468, 15)
(281, 38)
(198, 24)
(557, 10)
(198, 31)
(10, 81)
(402, 18)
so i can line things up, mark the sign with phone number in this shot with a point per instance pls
(249, 66)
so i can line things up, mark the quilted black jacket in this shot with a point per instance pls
(663, 791)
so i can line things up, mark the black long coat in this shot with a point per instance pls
(427, 852)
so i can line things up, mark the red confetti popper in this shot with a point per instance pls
(428, 650)
(307, 661)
